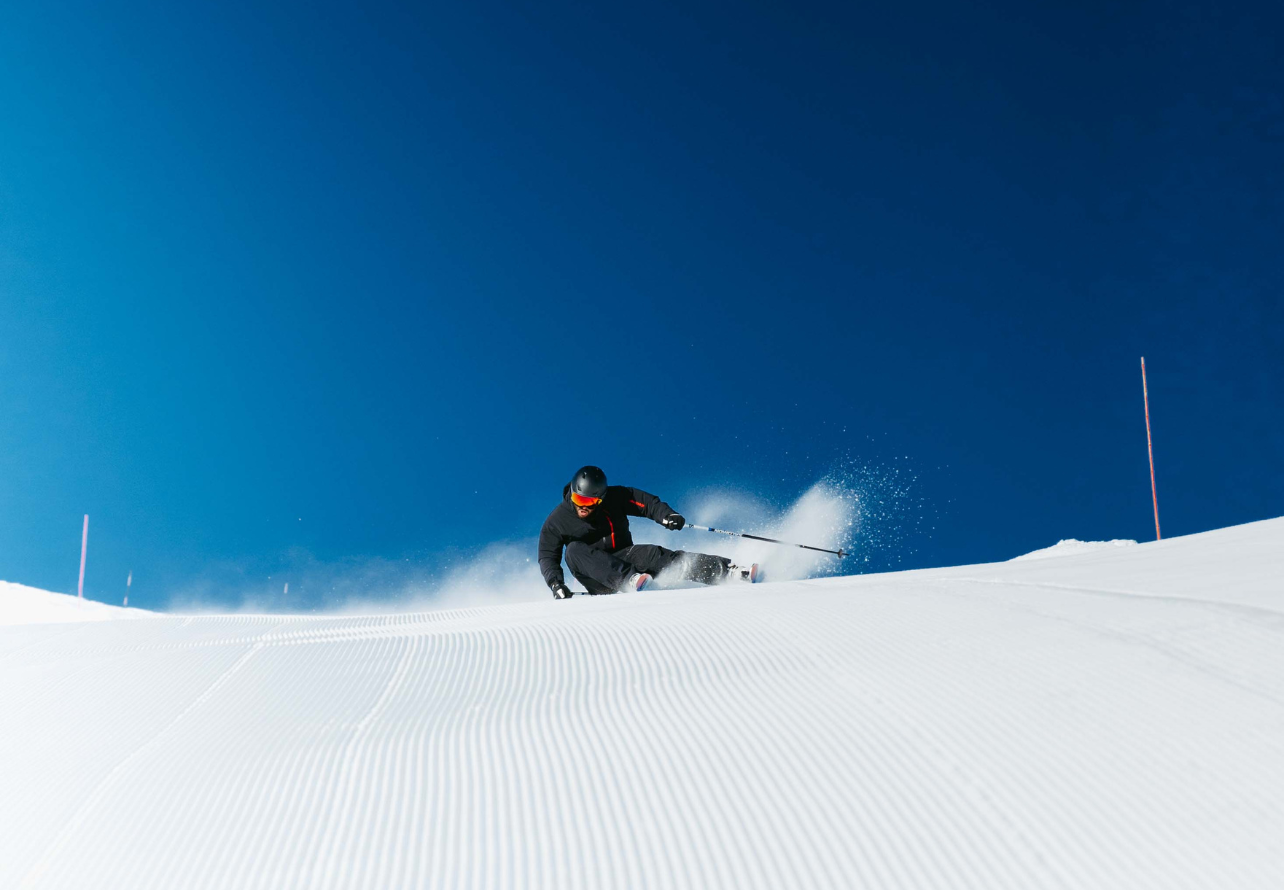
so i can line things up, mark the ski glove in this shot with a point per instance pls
(561, 592)
(674, 522)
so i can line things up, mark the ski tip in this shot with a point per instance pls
(755, 575)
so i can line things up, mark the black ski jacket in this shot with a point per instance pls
(607, 527)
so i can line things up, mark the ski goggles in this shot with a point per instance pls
(580, 500)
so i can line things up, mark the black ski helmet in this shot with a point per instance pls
(589, 482)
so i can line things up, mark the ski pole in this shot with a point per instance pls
(722, 531)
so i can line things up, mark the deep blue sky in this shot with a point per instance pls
(371, 283)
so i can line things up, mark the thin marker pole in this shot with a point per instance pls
(84, 545)
(1154, 497)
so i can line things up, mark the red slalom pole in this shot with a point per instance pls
(1150, 448)
(84, 545)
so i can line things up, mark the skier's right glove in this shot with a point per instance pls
(561, 591)
(674, 522)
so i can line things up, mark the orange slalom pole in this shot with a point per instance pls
(1150, 448)
(84, 545)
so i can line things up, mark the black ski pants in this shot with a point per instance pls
(601, 571)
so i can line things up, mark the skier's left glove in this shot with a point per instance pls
(674, 522)
(561, 592)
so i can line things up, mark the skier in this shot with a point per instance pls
(592, 523)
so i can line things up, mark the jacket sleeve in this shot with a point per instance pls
(550, 555)
(643, 503)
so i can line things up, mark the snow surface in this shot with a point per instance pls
(1108, 719)
(30, 605)
(1073, 547)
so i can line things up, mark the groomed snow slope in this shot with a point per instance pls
(1112, 719)
(20, 604)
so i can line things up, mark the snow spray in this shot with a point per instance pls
(869, 511)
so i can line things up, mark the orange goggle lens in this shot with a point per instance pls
(580, 501)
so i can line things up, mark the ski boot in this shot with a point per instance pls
(637, 582)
